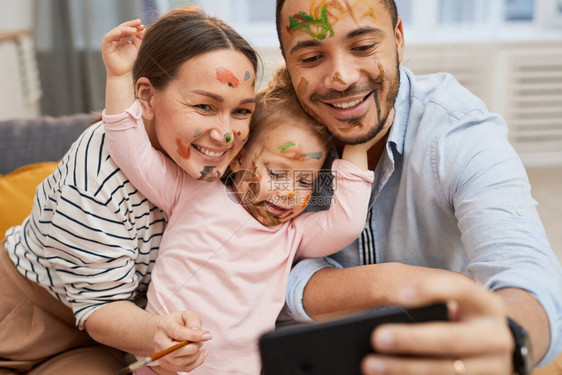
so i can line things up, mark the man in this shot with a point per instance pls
(450, 193)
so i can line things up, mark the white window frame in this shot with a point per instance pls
(423, 27)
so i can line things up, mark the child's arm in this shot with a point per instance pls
(119, 51)
(152, 173)
(327, 232)
(357, 154)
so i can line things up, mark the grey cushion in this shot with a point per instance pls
(25, 141)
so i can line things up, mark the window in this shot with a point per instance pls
(255, 19)
(519, 10)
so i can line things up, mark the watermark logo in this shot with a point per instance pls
(247, 187)
(239, 192)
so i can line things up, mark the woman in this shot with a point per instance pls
(85, 254)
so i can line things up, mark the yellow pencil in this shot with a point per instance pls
(145, 361)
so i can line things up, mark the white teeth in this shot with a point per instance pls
(348, 105)
(208, 152)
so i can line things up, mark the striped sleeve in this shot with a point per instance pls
(92, 251)
(91, 238)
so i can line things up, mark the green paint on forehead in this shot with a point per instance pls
(317, 28)
(286, 146)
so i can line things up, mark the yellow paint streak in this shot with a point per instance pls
(370, 13)
(337, 78)
(350, 11)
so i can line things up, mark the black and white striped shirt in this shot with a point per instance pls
(91, 238)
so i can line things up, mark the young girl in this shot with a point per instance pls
(227, 250)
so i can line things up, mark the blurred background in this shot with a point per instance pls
(508, 52)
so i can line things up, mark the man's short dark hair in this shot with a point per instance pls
(389, 4)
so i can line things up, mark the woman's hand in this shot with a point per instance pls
(120, 47)
(179, 326)
(476, 340)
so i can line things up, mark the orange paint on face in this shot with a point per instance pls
(226, 76)
(303, 87)
(183, 151)
(306, 201)
(337, 78)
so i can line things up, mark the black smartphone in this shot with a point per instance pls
(334, 347)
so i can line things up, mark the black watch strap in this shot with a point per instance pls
(522, 361)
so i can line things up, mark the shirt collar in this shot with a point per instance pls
(397, 133)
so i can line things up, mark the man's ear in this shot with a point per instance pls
(144, 93)
(399, 36)
(236, 163)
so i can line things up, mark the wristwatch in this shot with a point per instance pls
(522, 361)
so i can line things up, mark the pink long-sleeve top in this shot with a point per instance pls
(215, 258)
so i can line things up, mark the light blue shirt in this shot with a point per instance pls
(450, 192)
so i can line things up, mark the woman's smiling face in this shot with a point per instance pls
(201, 118)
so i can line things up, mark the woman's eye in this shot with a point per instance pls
(203, 107)
(242, 112)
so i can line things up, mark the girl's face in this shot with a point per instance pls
(201, 118)
(276, 172)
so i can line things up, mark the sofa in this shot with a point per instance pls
(29, 151)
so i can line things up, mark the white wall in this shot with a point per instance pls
(16, 14)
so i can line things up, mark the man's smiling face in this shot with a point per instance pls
(343, 58)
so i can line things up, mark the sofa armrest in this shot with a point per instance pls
(26, 141)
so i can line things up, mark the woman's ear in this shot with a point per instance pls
(144, 93)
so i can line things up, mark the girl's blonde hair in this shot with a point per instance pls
(277, 104)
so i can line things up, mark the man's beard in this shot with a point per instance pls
(375, 86)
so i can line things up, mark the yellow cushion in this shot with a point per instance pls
(17, 190)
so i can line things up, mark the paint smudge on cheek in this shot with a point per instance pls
(377, 102)
(303, 87)
(226, 76)
(381, 70)
(197, 133)
(246, 76)
(183, 150)
(337, 78)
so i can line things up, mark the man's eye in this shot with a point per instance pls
(364, 47)
(311, 59)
